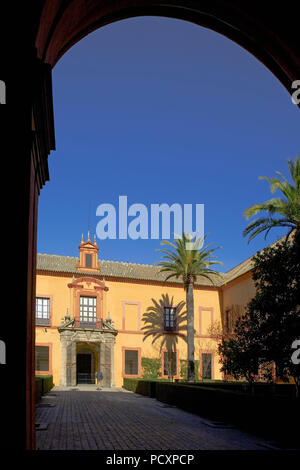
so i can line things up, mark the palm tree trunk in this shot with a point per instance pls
(190, 331)
(169, 366)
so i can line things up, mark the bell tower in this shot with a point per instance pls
(88, 252)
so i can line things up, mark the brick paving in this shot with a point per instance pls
(121, 420)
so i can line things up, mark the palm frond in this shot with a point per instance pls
(288, 206)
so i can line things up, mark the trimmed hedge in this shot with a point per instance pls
(43, 384)
(269, 417)
(260, 388)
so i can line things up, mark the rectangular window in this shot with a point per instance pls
(42, 358)
(131, 362)
(169, 318)
(88, 261)
(170, 363)
(88, 310)
(42, 311)
(206, 365)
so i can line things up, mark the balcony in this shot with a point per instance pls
(42, 321)
(95, 324)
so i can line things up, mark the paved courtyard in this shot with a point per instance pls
(91, 419)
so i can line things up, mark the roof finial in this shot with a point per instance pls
(95, 242)
(88, 238)
(82, 240)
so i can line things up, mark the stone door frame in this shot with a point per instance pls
(105, 340)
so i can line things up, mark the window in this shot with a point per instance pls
(131, 362)
(170, 362)
(42, 311)
(206, 365)
(88, 261)
(169, 318)
(42, 358)
(88, 310)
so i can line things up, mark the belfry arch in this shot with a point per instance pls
(42, 32)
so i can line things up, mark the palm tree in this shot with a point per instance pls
(187, 261)
(154, 325)
(287, 207)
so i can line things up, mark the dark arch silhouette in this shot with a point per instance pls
(64, 23)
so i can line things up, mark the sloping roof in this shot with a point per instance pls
(67, 264)
(246, 265)
(238, 270)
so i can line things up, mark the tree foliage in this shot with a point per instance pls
(283, 211)
(187, 260)
(265, 333)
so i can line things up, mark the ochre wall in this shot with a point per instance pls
(126, 301)
(239, 291)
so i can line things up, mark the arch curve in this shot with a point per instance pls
(63, 24)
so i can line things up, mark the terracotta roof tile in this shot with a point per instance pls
(66, 264)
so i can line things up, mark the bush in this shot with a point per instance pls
(43, 384)
(259, 388)
(143, 387)
(38, 388)
(151, 368)
(184, 369)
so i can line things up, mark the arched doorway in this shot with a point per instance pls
(52, 29)
(86, 364)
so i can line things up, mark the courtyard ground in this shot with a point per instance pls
(84, 418)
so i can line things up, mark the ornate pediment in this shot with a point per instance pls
(79, 283)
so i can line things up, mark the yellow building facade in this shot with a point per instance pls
(89, 318)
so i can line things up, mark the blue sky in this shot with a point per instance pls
(163, 111)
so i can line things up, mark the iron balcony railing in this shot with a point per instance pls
(97, 324)
(42, 321)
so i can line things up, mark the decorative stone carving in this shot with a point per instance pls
(104, 338)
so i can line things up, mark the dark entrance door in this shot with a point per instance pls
(84, 369)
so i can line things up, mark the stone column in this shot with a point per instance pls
(112, 362)
(105, 363)
(99, 368)
(72, 364)
(63, 362)
(68, 360)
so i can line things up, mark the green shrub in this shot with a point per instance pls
(38, 388)
(270, 417)
(184, 368)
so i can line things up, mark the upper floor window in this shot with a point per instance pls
(169, 318)
(42, 311)
(88, 310)
(88, 261)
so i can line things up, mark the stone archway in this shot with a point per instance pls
(64, 24)
(99, 342)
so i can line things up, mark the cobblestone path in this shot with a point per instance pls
(120, 420)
